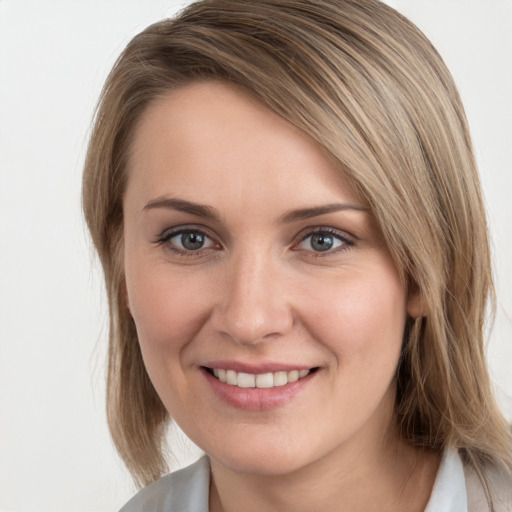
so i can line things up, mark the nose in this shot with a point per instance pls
(253, 304)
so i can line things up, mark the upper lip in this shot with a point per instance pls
(256, 368)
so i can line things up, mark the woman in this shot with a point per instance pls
(285, 202)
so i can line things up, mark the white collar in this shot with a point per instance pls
(449, 493)
(187, 490)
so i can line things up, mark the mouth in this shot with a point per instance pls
(260, 380)
(258, 387)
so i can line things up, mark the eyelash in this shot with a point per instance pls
(346, 242)
(165, 238)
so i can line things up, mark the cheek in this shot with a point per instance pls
(168, 311)
(362, 319)
(168, 308)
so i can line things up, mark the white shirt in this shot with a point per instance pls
(187, 490)
(449, 492)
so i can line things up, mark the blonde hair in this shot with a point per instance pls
(365, 83)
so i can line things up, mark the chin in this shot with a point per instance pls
(268, 460)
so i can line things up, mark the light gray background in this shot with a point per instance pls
(55, 453)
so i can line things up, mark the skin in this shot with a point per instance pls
(259, 291)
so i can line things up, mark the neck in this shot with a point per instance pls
(356, 477)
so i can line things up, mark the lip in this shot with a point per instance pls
(255, 369)
(256, 399)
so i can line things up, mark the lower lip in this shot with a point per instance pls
(257, 399)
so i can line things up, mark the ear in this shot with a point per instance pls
(416, 304)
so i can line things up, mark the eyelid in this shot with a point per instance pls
(167, 234)
(347, 239)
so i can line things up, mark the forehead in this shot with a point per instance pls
(216, 141)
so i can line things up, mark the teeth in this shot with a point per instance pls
(262, 380)
(280, 378)
(265, 380)
(246, 380)
(293, 376)
(231, 378)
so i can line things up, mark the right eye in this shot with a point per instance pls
(187, 241)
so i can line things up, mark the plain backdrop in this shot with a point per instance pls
(55, 453)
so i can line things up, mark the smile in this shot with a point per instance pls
(261, 380)
(258, 387)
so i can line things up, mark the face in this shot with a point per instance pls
(269, 312)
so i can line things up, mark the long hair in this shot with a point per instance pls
(366, 84)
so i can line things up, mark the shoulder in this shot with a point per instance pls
(459, 488)
(500, 487)
(185, 490)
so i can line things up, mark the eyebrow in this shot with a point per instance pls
(181, 205)
(308, 213)
(207, 212)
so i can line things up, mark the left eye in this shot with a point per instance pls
(321, 241)
(190, 240)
